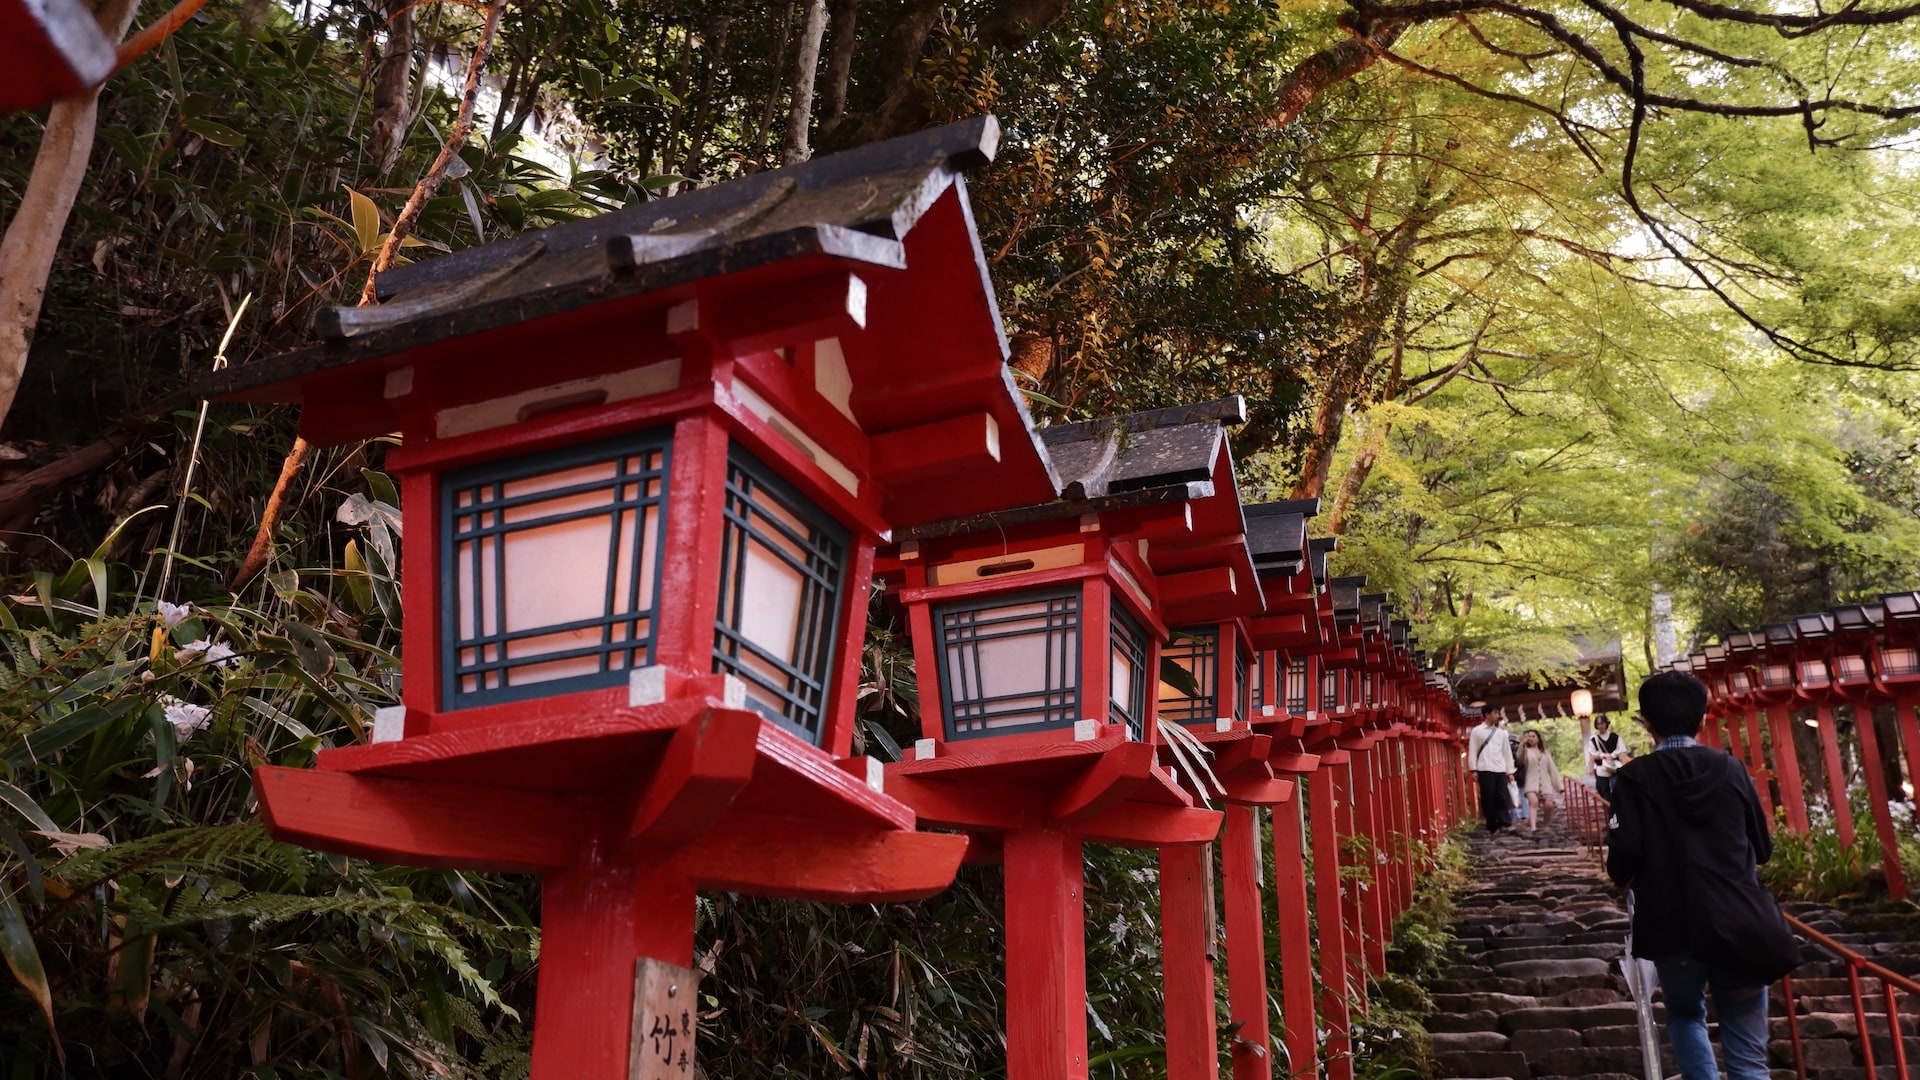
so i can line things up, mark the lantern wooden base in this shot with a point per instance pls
(1038, 804)
(626, 816)
(1106, 790)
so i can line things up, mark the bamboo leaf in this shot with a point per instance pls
(366, 222)
(214, 132)
(357, 578)
(28, 809)
(23, 959)
(1172, 674)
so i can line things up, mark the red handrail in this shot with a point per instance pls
(1856, 966)
(1586, 812)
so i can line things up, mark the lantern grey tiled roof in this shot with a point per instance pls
(1140, 458)
(857, 205)
(1317, 551)
(1277, 535)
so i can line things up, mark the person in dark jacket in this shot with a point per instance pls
(1689, 808)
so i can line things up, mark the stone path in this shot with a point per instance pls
(1538, 989)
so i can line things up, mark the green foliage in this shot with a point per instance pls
(1814, 867)
(162, 919)
(1124, 213)
(1390, 1037)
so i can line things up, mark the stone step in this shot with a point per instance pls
(1490, 1064)
(1588, 1060)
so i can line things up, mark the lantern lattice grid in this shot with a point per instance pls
(554, 567)
(783, 568)
(1196, 651)
(1297, 685)
(1127, 684)
(1010, 662)
(1849, 669)
(1898, 661)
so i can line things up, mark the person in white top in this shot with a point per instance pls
(1605, 754)
(1491, 760)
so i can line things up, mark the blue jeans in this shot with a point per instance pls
(1741, 1005)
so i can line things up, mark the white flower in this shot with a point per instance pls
(185, 716)
(172, 614)
(218, 653)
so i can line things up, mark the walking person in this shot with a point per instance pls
(1687, 835)
(1605, 754)
(1542, 783)
(1491, 759)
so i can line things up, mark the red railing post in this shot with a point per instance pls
(1793, 1027)
(1860, 1015)
(1893, 1032)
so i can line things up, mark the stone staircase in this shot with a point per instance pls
(1538, 989)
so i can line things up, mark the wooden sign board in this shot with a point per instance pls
(666, 1013)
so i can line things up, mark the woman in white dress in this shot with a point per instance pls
(1543, 782)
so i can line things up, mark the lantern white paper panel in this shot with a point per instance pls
(554, 574)
(1011, 662)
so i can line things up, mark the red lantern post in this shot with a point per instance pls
(1743, 730)
(1896, 671)
(1293, 578)
(1813, 686)
(1857, 631)
(1747, 689)
(647, 459)
(1037, 633)
(1771, 666)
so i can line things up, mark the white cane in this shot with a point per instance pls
(1640, 983)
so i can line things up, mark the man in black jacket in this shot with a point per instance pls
(1689, 809)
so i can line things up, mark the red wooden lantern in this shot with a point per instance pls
(1224, 711)
(1857, 635)
(1037, 634)
(49, 49)
(647, 460)
(1896, 671)
(1292, 577)
(1813, 686)
(1757, 685)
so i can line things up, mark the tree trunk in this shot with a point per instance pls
(806, 68)
(1328, 417)
(898, 110)
(716, 58)
(392, 81)
(1356, 477)
(833, 101)
(33, 236)
(1334, 64)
